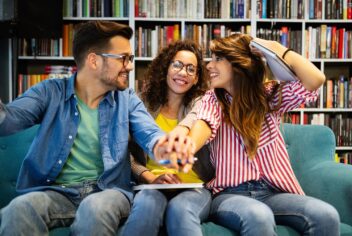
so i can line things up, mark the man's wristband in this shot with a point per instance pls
(287, 50)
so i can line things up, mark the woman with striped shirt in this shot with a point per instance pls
(255, 187)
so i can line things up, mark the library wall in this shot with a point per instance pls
(320, 30)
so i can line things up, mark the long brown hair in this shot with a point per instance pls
(154, 93)
(250, 101)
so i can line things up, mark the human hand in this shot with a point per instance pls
(177, 141)
(178, 160)
(173, 160)
(167, 179)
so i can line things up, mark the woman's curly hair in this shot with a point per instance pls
(154, 92)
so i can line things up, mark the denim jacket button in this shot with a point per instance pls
(70, 136)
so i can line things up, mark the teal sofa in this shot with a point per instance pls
(311, 149)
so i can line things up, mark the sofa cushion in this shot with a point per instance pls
(345, 230)
(13, 149)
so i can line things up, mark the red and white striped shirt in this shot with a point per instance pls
(271, 161)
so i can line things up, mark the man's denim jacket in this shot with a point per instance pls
(53, 105)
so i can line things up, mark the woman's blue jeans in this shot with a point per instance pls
(183, 213)
(255, 207)
(93, 212)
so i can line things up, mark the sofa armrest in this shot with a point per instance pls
(311, 149)
(13, 149)
(308, 145)
(331, 182)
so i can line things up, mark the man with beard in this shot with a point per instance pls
(77, 170)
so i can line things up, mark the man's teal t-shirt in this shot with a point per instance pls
(85, 161)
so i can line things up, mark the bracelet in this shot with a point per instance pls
(287, 50)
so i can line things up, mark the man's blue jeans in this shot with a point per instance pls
(183, 213)
(255, 207)
(94, 212)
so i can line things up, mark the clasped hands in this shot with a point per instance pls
(176, 150)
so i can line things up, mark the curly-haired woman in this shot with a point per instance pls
(174, 81)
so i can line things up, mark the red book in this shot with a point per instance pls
(341, 41)
(349, 9)
(319, 9)
(136, 10)
(305, 119)
(169, 34)
(329, 93)
(65, 39)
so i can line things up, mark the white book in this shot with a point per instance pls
(279, 68)
(154, 41)
(168, 186)
(328, 42)
(313, 45)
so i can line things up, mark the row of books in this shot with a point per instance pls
(337, 93)
(321, 42)
(315, 9)
(95, 8)
(285, 35)
(338, 9)
(296, 9)
(344, 158)
(49, 47)
(39, 47)
(25, 81)
(341, 125)
(328, 42)
(150, 40)
(282, 9)
(203, 34)
(192, 9)
(293, 118)
(67, 39)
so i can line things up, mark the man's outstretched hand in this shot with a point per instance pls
(175, 151)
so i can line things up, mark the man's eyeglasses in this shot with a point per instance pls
(178, 66)
(125, 58)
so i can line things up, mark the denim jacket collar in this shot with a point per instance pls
(70, 90)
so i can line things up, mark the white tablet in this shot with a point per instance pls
(168, 186)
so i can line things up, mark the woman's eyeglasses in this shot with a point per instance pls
(125, 58)
(178, 66)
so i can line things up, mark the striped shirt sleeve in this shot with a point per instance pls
(191, 116)
(210, 112)
(293, 95)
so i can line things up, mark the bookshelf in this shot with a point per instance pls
(299, 24)
(6, 83)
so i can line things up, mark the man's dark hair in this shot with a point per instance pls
(94, 36)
